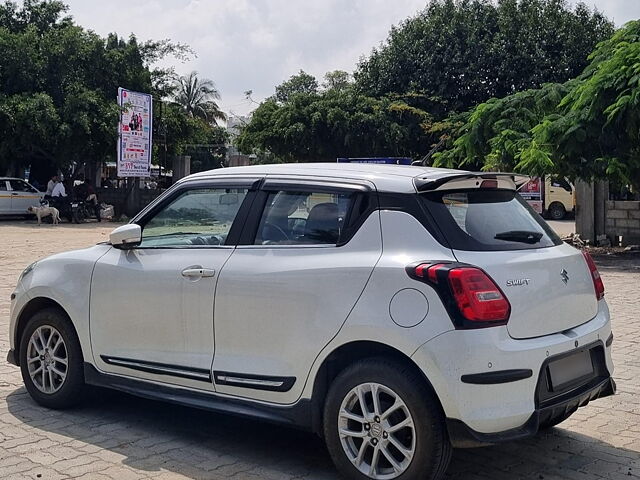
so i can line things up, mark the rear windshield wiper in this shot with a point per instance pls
(522, 236)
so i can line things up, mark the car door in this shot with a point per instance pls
(5, 198)
(23, 196)
(151, 307)
(307, 253)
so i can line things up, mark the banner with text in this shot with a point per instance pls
(134, 133)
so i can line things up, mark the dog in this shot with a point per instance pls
(42, 212)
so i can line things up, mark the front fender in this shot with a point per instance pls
(66, 280)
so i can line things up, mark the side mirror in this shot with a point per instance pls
(126, 236)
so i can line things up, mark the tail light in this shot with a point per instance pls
(595, 275)
(471, 297)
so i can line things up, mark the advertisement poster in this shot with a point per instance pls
(134, 133)
(532, 193)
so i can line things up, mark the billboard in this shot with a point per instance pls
(134, 133)
(532, 193)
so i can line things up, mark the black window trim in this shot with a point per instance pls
(316, 185)
(251, 183)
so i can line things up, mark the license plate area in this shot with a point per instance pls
(565, 375)
(573, 369)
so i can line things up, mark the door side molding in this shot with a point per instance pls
(256, 382)
(159, 368)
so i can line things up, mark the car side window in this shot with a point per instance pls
(303, 218)
(20, 186)
(196, 218)
(3, 186)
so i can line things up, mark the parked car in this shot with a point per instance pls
(395, 311)
(16, 196)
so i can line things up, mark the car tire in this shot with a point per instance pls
(556, 211)
(50, 336)
(427, 450)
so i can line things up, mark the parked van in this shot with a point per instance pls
(553, 198)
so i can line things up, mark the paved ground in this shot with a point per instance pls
(563, 227)
(120, 437)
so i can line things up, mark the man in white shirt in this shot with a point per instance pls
(59, 190)
(51, 185)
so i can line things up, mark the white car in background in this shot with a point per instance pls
(16, 196)
(395, 311)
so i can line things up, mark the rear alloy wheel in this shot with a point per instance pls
(51, 360)
(376, 430)
(382, 422)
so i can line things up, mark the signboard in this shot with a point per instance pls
(385, 160)
(134, 134)
(532, 193)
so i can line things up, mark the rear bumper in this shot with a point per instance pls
(492, 383)
(463, 436)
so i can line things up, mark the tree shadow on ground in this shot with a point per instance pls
(153, 436)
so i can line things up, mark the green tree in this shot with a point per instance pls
(191, 135)
(588, 127)
(58, 84)
(493, 134)
(335, 123)
(464, 52)
(301, 83)
(337, 80)
(198, 97)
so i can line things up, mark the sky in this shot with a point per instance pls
(256, 44)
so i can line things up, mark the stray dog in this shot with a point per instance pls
(42, 212)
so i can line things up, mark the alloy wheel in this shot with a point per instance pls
(376, 431)
(47, 359)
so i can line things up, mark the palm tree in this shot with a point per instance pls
(198, 97)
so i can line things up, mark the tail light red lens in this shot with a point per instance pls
(595, 275)
(470, 295)
(478, 298)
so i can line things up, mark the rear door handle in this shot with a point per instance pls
(198, 272)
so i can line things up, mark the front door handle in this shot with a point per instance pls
(198, 272)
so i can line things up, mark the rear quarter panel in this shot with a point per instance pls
(405, 241)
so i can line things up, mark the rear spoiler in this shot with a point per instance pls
(456, 181)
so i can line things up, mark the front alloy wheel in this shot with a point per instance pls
(47, 359)
(376, 431)
(51, 360)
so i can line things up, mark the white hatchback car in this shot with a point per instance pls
(396, 311)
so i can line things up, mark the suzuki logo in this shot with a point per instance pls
(564, 275)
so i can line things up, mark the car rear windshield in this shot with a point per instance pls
(488, 220)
